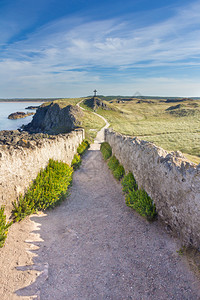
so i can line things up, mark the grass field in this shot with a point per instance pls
(64, 102)
(92, 124)
(172, 126)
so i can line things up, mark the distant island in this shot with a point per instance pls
(29, 99)
(19, 115)
(32, 107)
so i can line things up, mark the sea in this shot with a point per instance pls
(6, 108)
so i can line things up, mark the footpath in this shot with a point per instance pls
(93, 247)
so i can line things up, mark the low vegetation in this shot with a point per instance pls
(172, 127)
(64, 102)
(129, 183)
(117, 169)
(136, 198)
(82, 148)
(3, 227)
(106, 150)
(92, 124)
(50, 187)
(47, 190)
(140, 201)
(76, 162)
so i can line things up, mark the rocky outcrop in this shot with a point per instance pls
(54, 119)
(172, 182)
(33, 107)
(17, 139)
(95, 103)
(19, 115)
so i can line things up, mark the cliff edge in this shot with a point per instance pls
(53, 119)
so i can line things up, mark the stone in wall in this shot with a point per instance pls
(171, 181)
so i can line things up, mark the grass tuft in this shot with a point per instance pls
(76, 162)
(106, 150)
(3, 226)
(129, 183)
(140, 201)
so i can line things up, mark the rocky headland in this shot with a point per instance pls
(53, 119)
(48, 121)
(19, 115)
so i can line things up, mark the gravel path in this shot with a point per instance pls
(95, 247)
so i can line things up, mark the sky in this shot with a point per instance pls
(68, 48)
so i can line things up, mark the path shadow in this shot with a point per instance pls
(33, 290)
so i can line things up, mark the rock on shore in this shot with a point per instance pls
(19, 115)
(33, 107)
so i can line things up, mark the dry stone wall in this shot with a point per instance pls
(172, 182)
(20, 165)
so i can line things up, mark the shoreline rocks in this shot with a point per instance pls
(19, 115)
(32, 107)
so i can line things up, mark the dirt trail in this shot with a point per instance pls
(94, 247)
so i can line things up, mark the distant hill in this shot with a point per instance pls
(29, 99)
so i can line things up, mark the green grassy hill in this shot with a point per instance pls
(172, 125)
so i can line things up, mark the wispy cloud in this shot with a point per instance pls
(56, 52)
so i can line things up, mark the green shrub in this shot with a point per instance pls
(113, 163)
(47, 190)
(87, 143)
(117, 169)
(83, 147)
(129, 183)
(76, 162)
(106, 150)
(3, 227)
(140, 201)
(119, 172)
(136, 199)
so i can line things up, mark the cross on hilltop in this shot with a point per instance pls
(95, 93)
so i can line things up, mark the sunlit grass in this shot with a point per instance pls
(92, 124)
(64, 102)
(152, 122)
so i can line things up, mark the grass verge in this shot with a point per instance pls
(50, 186)
(106, 150)
(47, 190)
(117, 169)
(136, 198)
(3, 227)
(76, 162)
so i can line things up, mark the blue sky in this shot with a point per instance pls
(68, 48)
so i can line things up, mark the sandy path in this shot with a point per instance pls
(94, 247)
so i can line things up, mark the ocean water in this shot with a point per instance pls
(6, 108)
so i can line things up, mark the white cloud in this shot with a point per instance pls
(51, 59)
